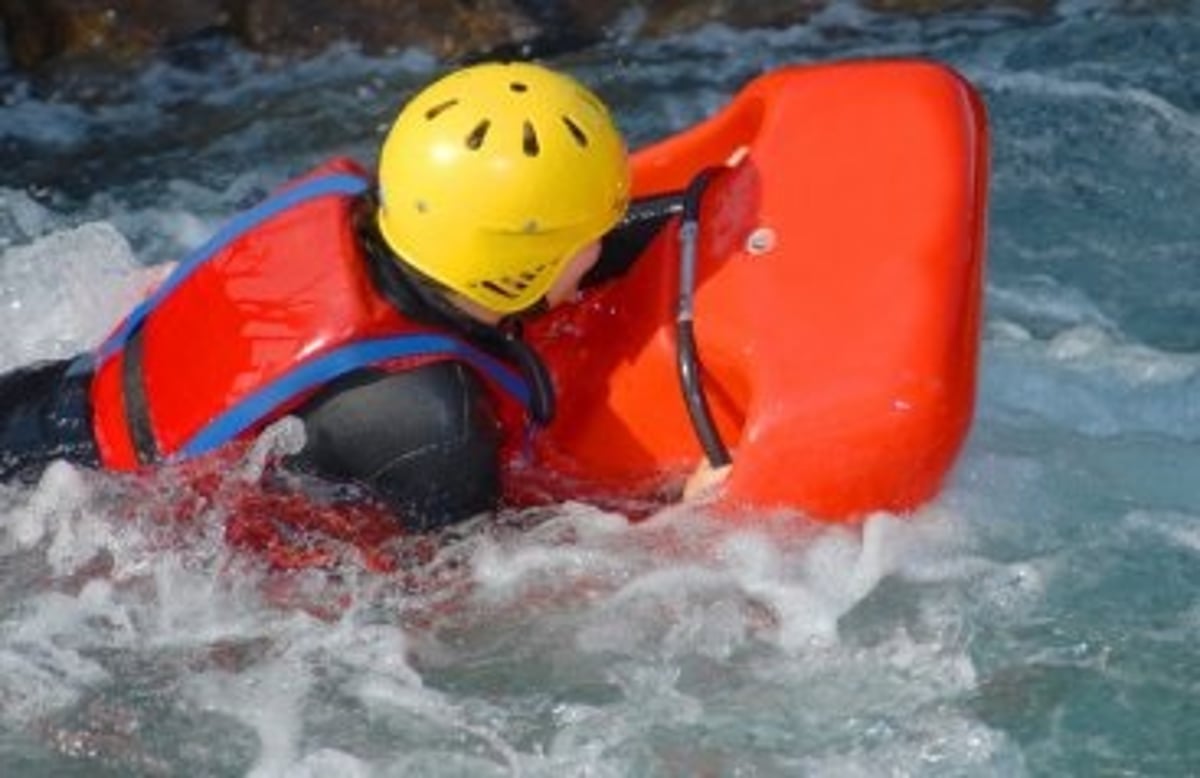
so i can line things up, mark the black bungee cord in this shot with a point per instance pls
(687, 353)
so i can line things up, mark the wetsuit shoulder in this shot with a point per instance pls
(425, 441)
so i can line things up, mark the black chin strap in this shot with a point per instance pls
(533, 369)
(414, 296)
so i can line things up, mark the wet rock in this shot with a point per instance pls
(931, 7)
(449, 28)
(676, 16)
(112, 31)
(123, 31)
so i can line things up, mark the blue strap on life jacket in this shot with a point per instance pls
(318, 371)
(345, 184)
(326, 367)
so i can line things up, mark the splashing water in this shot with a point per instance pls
(1039, 618)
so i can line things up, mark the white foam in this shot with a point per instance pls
(1094, 348)
(721, 586)
(1043, 300)
(267, 698)
(1181, 529)
(502, 566)
(61, 293)
(928, 744)
(1093, 380)
(38, 679)
(327, 762)
(32, 515)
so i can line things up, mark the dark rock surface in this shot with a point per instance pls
(43, 33)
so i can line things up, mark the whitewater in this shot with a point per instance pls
(1040, 617)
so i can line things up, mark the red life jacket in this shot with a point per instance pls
(277, 304)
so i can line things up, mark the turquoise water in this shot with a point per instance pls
(1039, 618)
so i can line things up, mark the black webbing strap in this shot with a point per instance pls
(137, 408)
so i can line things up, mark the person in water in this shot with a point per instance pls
(382, 313)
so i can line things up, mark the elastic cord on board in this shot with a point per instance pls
(687, 354)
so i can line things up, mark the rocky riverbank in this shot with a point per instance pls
(41, 34)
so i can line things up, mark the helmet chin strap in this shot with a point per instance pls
(417, 296)
(533, 369)
(532, 312)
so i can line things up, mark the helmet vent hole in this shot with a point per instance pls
(476, 137)
(495, 288)
(529, 141)
(576, 132)
(439, 109)
(517, 86)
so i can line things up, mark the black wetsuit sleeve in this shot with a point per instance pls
(425, 441)
(45, 414)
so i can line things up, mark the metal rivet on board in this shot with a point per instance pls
(760, 241)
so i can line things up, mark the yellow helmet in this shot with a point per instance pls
(494, 176)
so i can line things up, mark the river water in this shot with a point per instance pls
(1039, 618)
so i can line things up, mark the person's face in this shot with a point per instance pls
(566, 286)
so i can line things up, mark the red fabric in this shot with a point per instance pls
(286, 292)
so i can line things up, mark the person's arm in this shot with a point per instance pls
(424, 441)
(619, 249)
(705, 482)
(45, 414)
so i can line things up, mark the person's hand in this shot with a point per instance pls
(705, 482)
